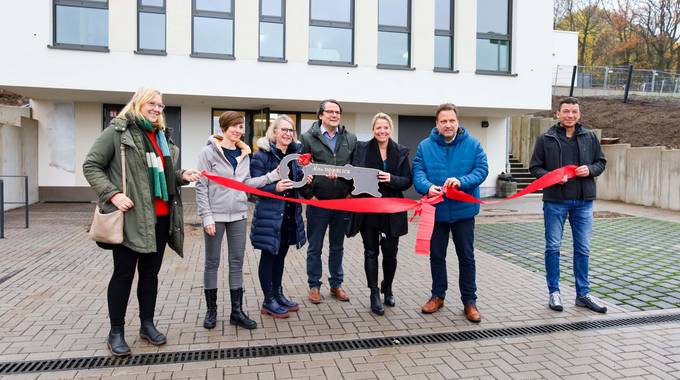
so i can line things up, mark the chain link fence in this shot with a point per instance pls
(612, 81)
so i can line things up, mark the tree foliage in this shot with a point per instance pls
(645, 33)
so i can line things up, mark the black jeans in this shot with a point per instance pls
(373, 241)
(148, 264)
(463, 232)
(271, 269)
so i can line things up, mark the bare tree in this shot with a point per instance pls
(658, 20)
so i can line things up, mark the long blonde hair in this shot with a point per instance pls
(274, 125)
(134, 106)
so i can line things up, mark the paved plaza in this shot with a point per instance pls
(53, 305)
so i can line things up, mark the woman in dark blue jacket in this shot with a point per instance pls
(276, 224)
(382, 231)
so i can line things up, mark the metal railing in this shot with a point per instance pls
(614, 81)
(2, 202)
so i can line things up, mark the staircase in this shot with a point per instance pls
(521, 174)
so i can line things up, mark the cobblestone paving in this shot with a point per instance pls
(634, 262)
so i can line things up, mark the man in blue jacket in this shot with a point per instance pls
(451, 157)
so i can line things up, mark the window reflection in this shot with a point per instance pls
(152, 31)
(82, 26)
(393, 48)
(330, 44)
(213, 35)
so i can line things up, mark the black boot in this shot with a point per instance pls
(238, 317)
(371, 268)
(116, 342)
(211, 314)
(285, 302)
(387, 291)
(149, 332)
(376, 305)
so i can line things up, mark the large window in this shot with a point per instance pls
(331, 32)
(394, 36)
(151, 27)
(272, 30)
(494, 25)
(213, 29)
(443, 35)
(81, 24)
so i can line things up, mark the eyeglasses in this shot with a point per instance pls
(287, 130)
(332, 112)
(160, 106)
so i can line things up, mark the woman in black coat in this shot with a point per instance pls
(382, 230)
(277, 224)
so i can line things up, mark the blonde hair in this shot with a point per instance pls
(382, 116)
(275, 125)
(134, 106)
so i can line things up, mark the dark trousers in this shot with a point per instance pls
(271, 269)
(374, 240)
(463, 232)
(148, 265)
(318, 221)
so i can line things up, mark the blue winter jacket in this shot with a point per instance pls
(265, 233)
(462, 158)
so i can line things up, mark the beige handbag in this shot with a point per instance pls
(108, 228)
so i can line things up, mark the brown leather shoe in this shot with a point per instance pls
(434, 304)
(314, 295)
(340, 294)
(472, 314)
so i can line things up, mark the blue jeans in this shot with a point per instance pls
(318, 220)
(580, 214)
(463, 239)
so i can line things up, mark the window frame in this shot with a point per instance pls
(77, 4)
(501, 37)
(397, 29)
(450, 33)
(156, 10)
(338, 25)
(271, 20)
(213, 14)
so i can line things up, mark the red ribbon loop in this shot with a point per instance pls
(305, 159)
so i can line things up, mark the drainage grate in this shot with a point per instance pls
(97, 362)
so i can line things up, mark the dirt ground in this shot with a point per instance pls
(640, 122)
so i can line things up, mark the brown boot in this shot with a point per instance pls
(314, 295)
(340, 294)
(434, 304)
(472, 314)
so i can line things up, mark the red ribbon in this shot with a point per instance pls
(423, 207)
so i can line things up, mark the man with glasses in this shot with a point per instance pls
(330, 143)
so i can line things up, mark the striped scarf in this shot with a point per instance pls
(160, 175)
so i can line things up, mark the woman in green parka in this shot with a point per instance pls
(152, 207)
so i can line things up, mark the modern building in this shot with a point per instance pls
(80, 61)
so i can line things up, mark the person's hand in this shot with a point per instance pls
(310, 178)
(384, 176)
(122, 202)
(452, 182)
(564, 179)
(582, 171)
(209, 229)
(191, 175)
(434, 191)
(332, 175)
(283, 185)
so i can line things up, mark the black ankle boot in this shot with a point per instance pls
(116, 342)
(149, 332)
(376, 305)
(211, 314)
(283, 301)
(387, 291)
(238, 317)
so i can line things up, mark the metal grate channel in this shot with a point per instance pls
(98, 362)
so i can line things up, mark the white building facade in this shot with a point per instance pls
(80, 61)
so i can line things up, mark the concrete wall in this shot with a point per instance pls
(669, 181)
(612, 183)
(643, 167)
(18, 152)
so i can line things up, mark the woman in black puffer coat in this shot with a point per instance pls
(382, 230)
(277, 224)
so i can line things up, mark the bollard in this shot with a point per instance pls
(573, 80)
(630, 76)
